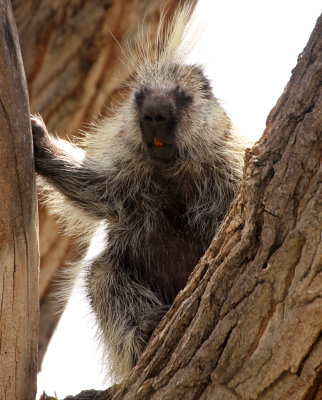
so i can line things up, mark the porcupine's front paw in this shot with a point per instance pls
(39, 130)
(41, 140)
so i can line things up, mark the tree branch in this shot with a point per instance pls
(18, 223)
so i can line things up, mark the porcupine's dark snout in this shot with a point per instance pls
(158, 122)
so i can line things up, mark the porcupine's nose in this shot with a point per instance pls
(158, 119)
(157, 114)
(158, 122)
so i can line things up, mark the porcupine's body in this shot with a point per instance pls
(160, 174)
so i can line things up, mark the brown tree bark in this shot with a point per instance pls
(72, 53)
(19, 257)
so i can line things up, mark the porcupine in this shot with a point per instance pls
(159, 176)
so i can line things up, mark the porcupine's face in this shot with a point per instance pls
(169, 100)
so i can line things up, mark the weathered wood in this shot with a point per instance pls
(18, 223)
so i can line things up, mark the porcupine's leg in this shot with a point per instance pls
(127, 312)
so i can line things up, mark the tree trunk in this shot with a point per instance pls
(72, 52)
(18, 223)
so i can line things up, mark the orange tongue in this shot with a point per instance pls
(157, 142)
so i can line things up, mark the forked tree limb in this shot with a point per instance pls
(19, 257)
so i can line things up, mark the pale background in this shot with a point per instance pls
(249, 48)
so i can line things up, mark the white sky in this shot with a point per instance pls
(249, 48)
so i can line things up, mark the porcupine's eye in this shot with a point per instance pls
(182, 99)
(140, 95)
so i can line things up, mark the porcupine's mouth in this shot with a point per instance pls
(160, 150)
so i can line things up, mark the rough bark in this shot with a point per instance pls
(18, 223)
(72, 52)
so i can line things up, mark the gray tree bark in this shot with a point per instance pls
(19, 257)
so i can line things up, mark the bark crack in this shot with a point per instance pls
(270, 213)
